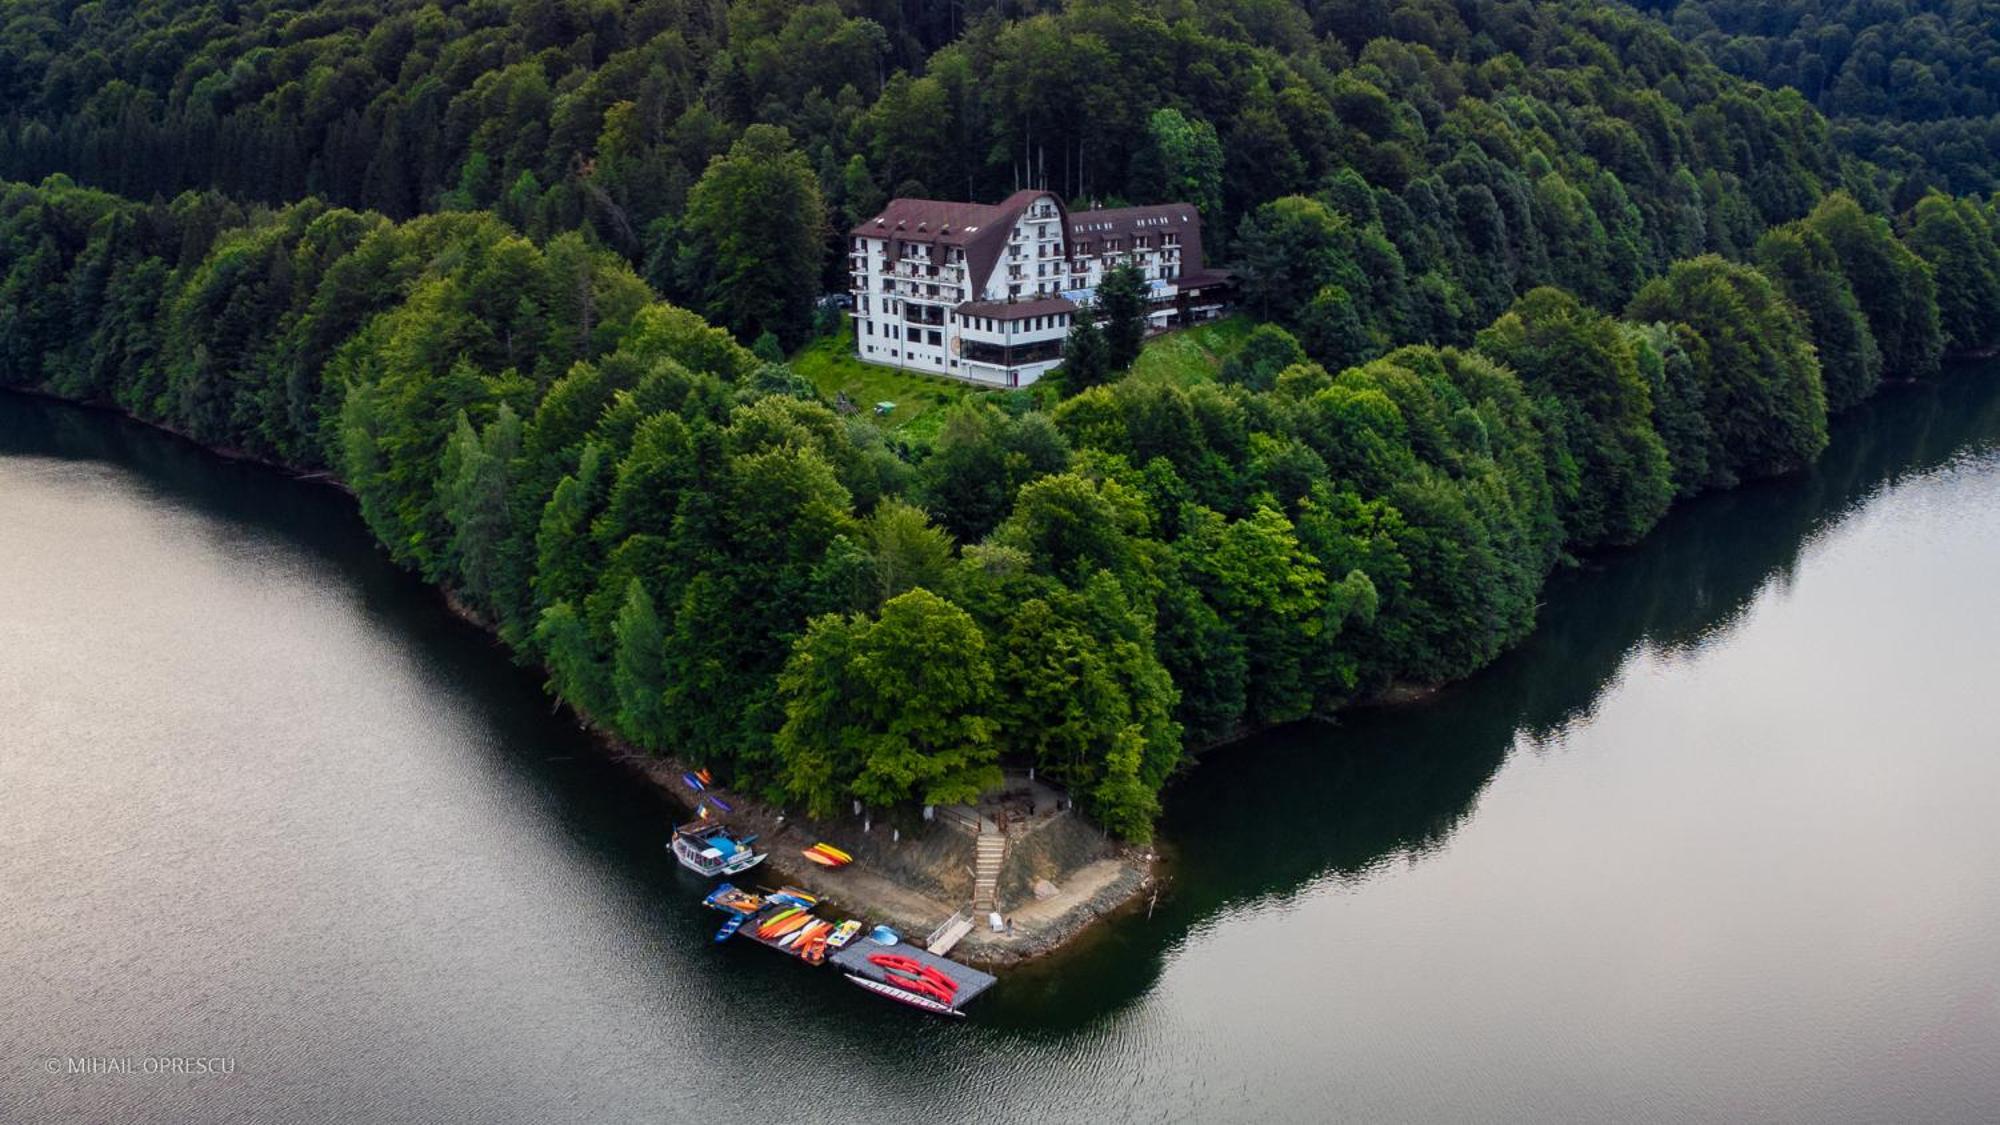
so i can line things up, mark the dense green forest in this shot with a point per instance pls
(523, 275)
(1912, 86)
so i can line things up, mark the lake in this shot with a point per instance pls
(1721, 842)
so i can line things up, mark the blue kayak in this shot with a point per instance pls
(720, 804)
(693, 782)
(730, 927)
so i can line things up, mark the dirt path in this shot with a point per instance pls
(1043, 925)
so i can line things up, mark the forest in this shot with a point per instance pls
(525, 276)
(1909, 86)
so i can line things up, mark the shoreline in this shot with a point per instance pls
(1095, 892)
(1107, 887)
(1039, 927)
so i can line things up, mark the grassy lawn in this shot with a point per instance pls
(1194, 354)
(1187, 356)
(920, 399)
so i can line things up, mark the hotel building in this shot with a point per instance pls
(987, 292)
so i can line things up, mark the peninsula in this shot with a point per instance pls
(874, 415)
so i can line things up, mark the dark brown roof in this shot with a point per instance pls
(1096, 225)
(981, 229)
(1102, 221)
(1017, 310)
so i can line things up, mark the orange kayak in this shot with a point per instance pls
(786, 926)
(775, 919)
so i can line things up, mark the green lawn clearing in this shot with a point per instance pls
(920, 399)
(1191, 355)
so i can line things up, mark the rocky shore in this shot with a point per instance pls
(915, 882)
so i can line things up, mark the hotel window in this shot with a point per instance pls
(937, 339)
(868, 326)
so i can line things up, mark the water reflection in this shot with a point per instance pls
(1260, 822)
(591, 937)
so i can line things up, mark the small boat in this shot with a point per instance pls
(693, 782)
(788, 923)
(810, 938)
(914, 974)
(794, 896)
(913, 999)
(883, 935)
(919, 986)
(714, 849)
(729, 927)
(734, 899)
(705, 776)
(765, 927)
(720, 803)
(843, 934)
(826, 855)
(813, 950)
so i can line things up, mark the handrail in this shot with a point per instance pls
(964, 914)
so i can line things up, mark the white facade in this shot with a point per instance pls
(987, 293)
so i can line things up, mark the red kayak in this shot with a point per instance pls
(894, 962)
(905, 996)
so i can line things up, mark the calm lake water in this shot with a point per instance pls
(1721, 843)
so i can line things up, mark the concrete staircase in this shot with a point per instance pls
(990, 851)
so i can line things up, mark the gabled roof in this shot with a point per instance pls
(1098, 224)
(980, 229)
